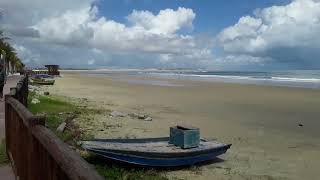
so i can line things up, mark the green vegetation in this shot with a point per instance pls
(49, 105)
(57, 111)
(113, 171)
(3, 157)
(9, 51)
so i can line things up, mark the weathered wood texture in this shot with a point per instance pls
(35, 152)
(184, 136)
(20, 92)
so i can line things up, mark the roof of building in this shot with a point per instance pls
(51, 65)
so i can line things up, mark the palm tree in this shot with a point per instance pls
(9, 52)
(11, 56)
(2, 37)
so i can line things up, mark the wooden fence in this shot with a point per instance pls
(35, 152)
(20, 92)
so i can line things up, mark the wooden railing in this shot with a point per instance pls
(20, 92)
(35, 152)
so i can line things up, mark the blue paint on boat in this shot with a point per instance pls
(159, 162)
(154, 157)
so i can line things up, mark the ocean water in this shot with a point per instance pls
(297, 78)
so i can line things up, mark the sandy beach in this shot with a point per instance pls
(261, 122)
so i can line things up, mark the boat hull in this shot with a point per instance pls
(157, 159)
(43, 83)
(159, 162)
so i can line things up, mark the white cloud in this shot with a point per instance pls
(22, 13)
(83, 27)
(164, 58)
(91, 62)
(168, 21)
(285, 33)
(247, 31)
(68, 28)
(73, 33)
(241, 60)
(27, 55)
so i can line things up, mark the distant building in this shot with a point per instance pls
(50, 69)
(53, 69)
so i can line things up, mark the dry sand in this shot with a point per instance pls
(260, 121)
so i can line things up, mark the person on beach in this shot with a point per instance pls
(2, 81)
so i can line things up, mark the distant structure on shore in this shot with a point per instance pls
(51, 69)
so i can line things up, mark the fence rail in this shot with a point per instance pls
(35, 152)
(20, 92)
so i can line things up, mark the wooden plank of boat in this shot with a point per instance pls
(43, 82)
(154, 151)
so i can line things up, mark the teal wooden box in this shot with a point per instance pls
(184, 136)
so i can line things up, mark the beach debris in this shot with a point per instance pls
(46, 93)
(300, 125)
(74, 112)
(84, 99)
(42, 114)
(133, 115)
(71, 116)
(61, 127)
(35, 101)
(136, 115)
(118, 114)
(148, 119)
(33, 88)
(68, 121)
(142, 116)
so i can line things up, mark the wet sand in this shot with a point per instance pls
(262, 122)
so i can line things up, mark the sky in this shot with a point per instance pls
(193, 34)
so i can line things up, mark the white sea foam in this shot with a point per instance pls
(305, 79)
(231, 77)
(296, 79)
(250, 78)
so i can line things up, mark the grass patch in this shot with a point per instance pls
(52, 109)
(3, 156)
(113, 170)
(57, 110)
(49, 105)
(114, 173)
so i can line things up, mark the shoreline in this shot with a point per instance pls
(245, 78)
(260, 121)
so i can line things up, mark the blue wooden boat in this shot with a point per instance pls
(155, 152)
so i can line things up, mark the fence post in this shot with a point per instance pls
(13, 92)
(34, 157)
(26, 90)
(19, 91)
(7, 119)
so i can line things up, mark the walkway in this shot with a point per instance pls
(6, 172)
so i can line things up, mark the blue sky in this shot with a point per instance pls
(212, 15)
(196, 34)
